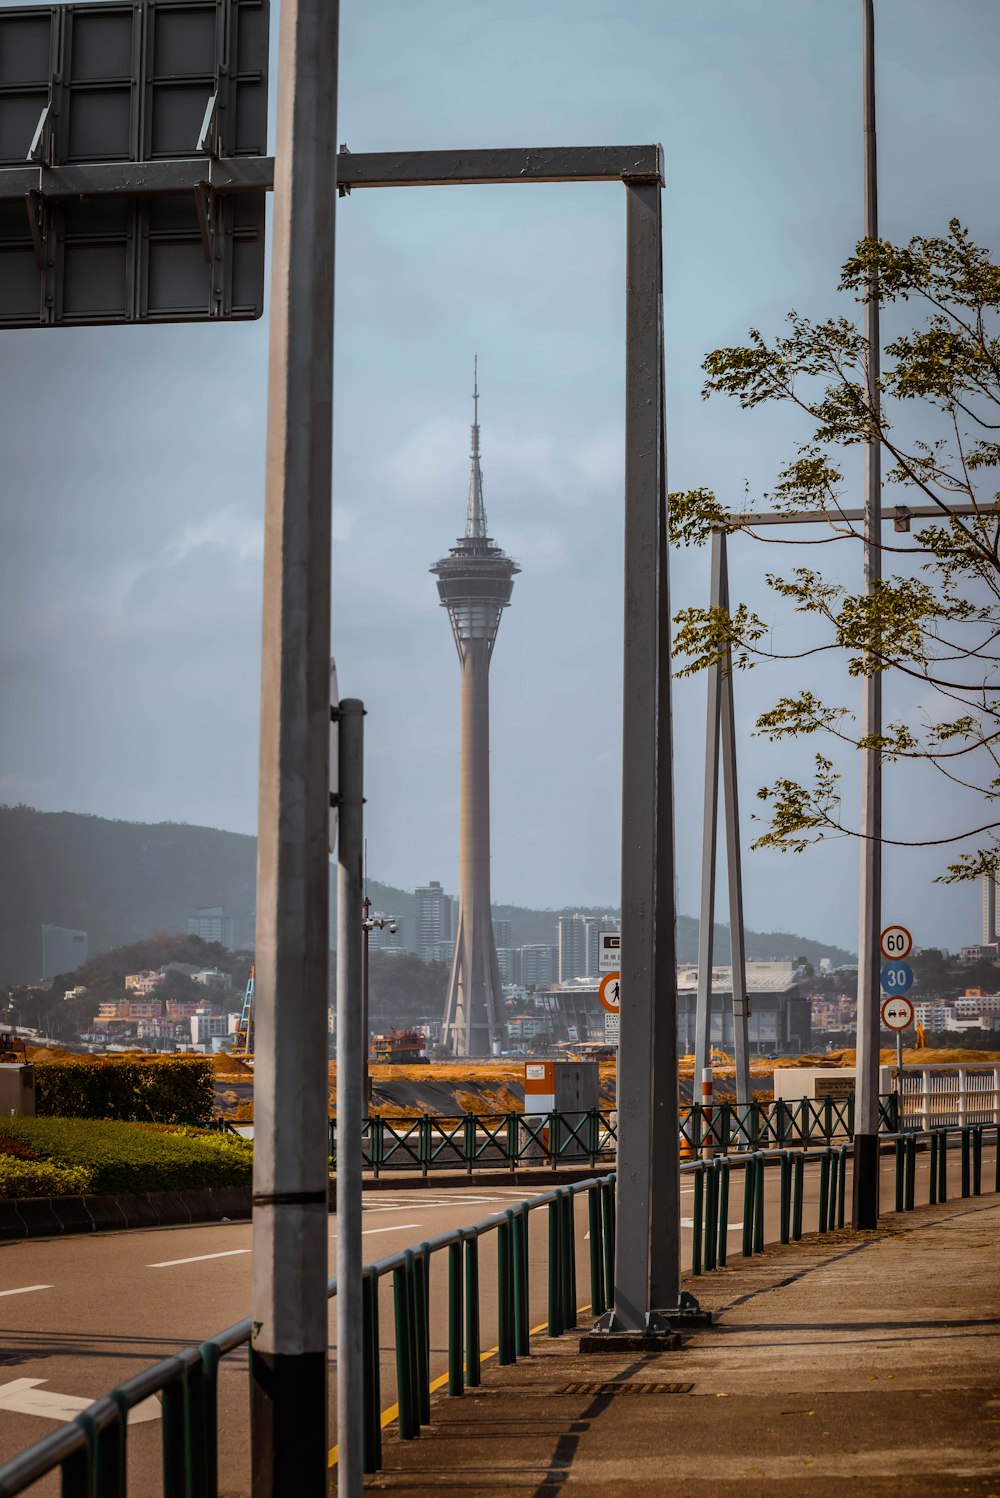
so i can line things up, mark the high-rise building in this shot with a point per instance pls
(577, 937)
(212, 924)
(539, 965)
(475, 581)
(501, 932)
(433, 920)
(63, 951)
(988, 883)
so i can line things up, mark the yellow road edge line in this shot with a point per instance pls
(390, 1414)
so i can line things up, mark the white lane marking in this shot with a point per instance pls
(26, 1289)
(227, 1253)
(688, 1222)
(23, 1396)
(396, 1227)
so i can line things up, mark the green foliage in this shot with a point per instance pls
(126, 1157)
(23, 1178)
(168, 1089)
(941, 627)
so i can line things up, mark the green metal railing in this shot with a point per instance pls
(713, 1191)
(91, 1450)
(505, 1141)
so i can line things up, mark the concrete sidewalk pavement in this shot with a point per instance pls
(863, 1363)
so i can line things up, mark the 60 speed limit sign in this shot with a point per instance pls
(897, 1013)
(896, 942)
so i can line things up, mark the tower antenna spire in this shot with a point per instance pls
(475, 522)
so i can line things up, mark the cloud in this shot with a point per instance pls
(227, 529)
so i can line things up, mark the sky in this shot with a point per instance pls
(131, 519)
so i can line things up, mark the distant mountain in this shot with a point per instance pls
(124, 881)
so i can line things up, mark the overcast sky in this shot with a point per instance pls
(130, 553)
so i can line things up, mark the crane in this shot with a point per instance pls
(244, 1029)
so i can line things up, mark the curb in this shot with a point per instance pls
(54, 1216)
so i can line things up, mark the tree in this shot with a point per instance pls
(936, 620)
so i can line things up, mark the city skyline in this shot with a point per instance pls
(132, 575)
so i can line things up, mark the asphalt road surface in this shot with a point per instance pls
(80, 1314)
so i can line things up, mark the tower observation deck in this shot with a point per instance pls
(475, 581)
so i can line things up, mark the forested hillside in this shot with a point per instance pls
(124, 881)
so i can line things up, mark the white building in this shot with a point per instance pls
(205, 1026)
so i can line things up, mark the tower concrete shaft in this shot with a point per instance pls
(475, 581)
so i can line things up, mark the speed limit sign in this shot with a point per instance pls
(896, 942)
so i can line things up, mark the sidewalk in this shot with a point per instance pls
(860, 1363)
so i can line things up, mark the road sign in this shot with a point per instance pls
(609, 992)
(132, 142)
(612, 1025)
(897, 1014)
(609, 952)
(896, 977)
(896, 943)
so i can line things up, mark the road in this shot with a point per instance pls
(80, 1314)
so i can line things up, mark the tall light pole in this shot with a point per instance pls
(866, 1119)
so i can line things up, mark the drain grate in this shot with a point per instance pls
(630, 1388)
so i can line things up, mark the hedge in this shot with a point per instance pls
(21, 1178)
(129, 1157)
(171, 1089)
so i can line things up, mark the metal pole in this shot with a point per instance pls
(709, 837)
(366, 928)
(734, 862)
(647, 1261)
(351, 939)
(865, 1195)
(288, 1359)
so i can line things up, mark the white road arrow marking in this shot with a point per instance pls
(23, 1396)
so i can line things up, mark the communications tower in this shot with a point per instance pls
(475, 581)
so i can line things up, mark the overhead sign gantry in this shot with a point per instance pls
(132, 162)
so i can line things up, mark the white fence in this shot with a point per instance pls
(949, 1096)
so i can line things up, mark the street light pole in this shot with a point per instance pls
(289, 1340)
(865, 1194)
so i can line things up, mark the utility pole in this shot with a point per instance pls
(350, 1098)
(866, 1119)
(288, 1352)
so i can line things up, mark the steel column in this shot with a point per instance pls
(709, 840)
(647, 1260)
(865, 1187)
(288, 1361)
(734, 860)
(351, 938)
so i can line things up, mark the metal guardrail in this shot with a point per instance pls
(504, 1141)
(91, 1450)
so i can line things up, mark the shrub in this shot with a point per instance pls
(128, 1157)
(21, 1178)
(171, 1089)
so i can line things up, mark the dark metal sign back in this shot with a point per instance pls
(122, 128)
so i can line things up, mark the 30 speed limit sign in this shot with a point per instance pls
(896, 942)
(897, 1013)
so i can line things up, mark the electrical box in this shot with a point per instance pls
(570, 1089)
(17, 1089)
